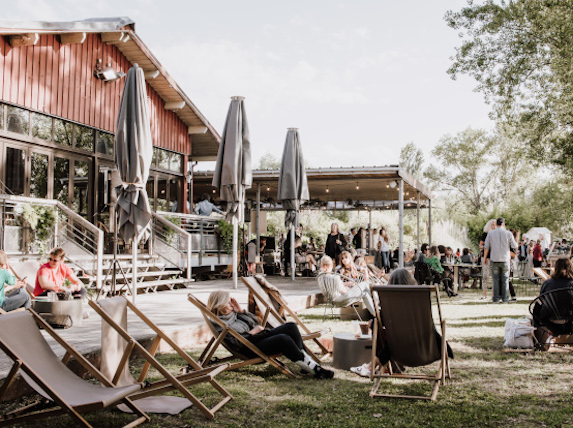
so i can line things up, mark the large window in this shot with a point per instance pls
(63, 132)
(18, 120)
(61, 179)
(15, 170)
(39, 176)
(84, 137)
(41, 126)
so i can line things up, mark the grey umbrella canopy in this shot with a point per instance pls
(293, 187)
(233, 173)
(133, 154)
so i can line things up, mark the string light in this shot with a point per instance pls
(213, 190)
(357, 187)
(327, 190)
(268, 187)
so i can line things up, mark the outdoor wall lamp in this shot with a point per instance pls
(106, 74)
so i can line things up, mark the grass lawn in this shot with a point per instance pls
(489, 388)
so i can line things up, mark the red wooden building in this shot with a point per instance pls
(60, 88)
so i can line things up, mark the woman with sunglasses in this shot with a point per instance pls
(51, 276)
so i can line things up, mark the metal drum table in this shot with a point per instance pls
(350, 351)
(71, 308)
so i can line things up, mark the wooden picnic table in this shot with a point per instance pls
(457, 267)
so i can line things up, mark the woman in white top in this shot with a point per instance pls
(384, 245)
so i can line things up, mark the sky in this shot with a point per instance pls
(360, 79)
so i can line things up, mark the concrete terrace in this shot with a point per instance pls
(174, 314)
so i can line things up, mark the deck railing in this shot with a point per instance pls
(82, 240)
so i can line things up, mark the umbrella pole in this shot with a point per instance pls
(235, 251)
(134, 245)
(292, 265)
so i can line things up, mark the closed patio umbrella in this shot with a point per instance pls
(293, 187)
(133, 154)
(233, 173)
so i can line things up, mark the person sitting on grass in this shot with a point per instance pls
(52, 275)
(348, 292)
(13, 295)
(285, 339)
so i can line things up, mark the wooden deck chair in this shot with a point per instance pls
(272, 306)
(541, 273)
(21, 340)
(218, 339)
(374, 270)
(114, 312)
(405, 314)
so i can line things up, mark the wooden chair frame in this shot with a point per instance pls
(29, 412)
(438, 379)
(196, 374)
(205, 360)
(269, 310)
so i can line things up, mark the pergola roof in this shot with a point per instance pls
(120, 32)
(340, 188)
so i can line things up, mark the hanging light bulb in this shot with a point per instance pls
(357, 186)
(268, 187)
(327, 190)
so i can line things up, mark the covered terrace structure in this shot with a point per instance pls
(349, 188)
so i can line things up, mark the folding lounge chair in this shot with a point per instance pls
(541, 273)
(405, 314)
(111, 311)
(21, 340)
(328, 283)
(217, 340)
(267, 298)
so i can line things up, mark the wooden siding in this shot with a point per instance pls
(58, 80)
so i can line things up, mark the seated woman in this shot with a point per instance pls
(51, 276)
(301, 255)
(285, 339)
(544, 315)
(13, 295)
(436, 265)
(349, 291)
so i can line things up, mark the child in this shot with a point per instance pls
(12, 293)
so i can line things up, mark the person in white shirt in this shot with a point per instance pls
(498, 244)
(384, 246)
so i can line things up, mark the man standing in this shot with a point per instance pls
(498, 244)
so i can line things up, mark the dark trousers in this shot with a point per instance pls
(284, 339)
(385, 260)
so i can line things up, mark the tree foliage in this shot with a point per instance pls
(468, 166)
(519, 52)
(412, 160)
(269, 161)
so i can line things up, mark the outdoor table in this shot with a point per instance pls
(350, 351)
(457, 272)
(72, 308)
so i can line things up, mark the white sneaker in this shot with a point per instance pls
(363, 370)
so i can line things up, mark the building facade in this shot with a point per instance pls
(58, 110)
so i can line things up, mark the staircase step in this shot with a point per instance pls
(152, 286)
(149, 274)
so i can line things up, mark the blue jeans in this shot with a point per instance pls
(386, 260)
(18, 298)
(500, 280)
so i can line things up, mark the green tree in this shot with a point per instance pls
(519, 52)
(412, 159)
(269, 161)
(467, 166)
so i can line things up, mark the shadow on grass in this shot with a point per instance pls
(475, 324)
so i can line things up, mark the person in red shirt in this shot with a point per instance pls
(537, 254)
(51, 276)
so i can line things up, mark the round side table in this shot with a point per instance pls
(350, 351)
